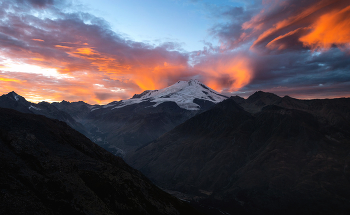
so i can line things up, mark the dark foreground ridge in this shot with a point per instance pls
(49, 168)
(288, 158)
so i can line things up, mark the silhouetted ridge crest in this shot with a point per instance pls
(12, 93)
(260, 95)
(15, 96)
(142, 94)
(229, 105)
(237, 99)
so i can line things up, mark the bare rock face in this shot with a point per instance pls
(49, 168)
(289, 157)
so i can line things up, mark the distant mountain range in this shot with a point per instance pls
(16, 102)
(261, 155)
(125, 125)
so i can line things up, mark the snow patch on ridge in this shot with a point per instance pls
(35, 108)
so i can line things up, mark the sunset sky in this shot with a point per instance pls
(102, 51)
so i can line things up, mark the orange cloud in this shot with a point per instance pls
(64, 47)
(80, 87)
(281, 42)
(284, 23)
(38, 59)
(103, 62)
(85, 51)
(9, 83)
(76, 43)
(146, 75)
(39, 40)
(230, 74)
(148, 78)
(10, 79)
(317, 24)
(330, 29)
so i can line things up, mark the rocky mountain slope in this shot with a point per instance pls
(335, 112)
(77, 110)
(49, 168)
(123, 126)
(261, 155)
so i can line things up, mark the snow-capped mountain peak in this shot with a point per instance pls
(183, 93)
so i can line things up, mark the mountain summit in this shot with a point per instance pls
(14, 95)
(189, 95)
(123, 126)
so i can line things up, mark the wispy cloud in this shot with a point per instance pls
(298, 46)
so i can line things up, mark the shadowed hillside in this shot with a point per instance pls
(278, 160)
(49, 168)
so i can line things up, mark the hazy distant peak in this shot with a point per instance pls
(237, 99)
(14, 95)
(230, 105)
(262, 95)
(65, 102)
